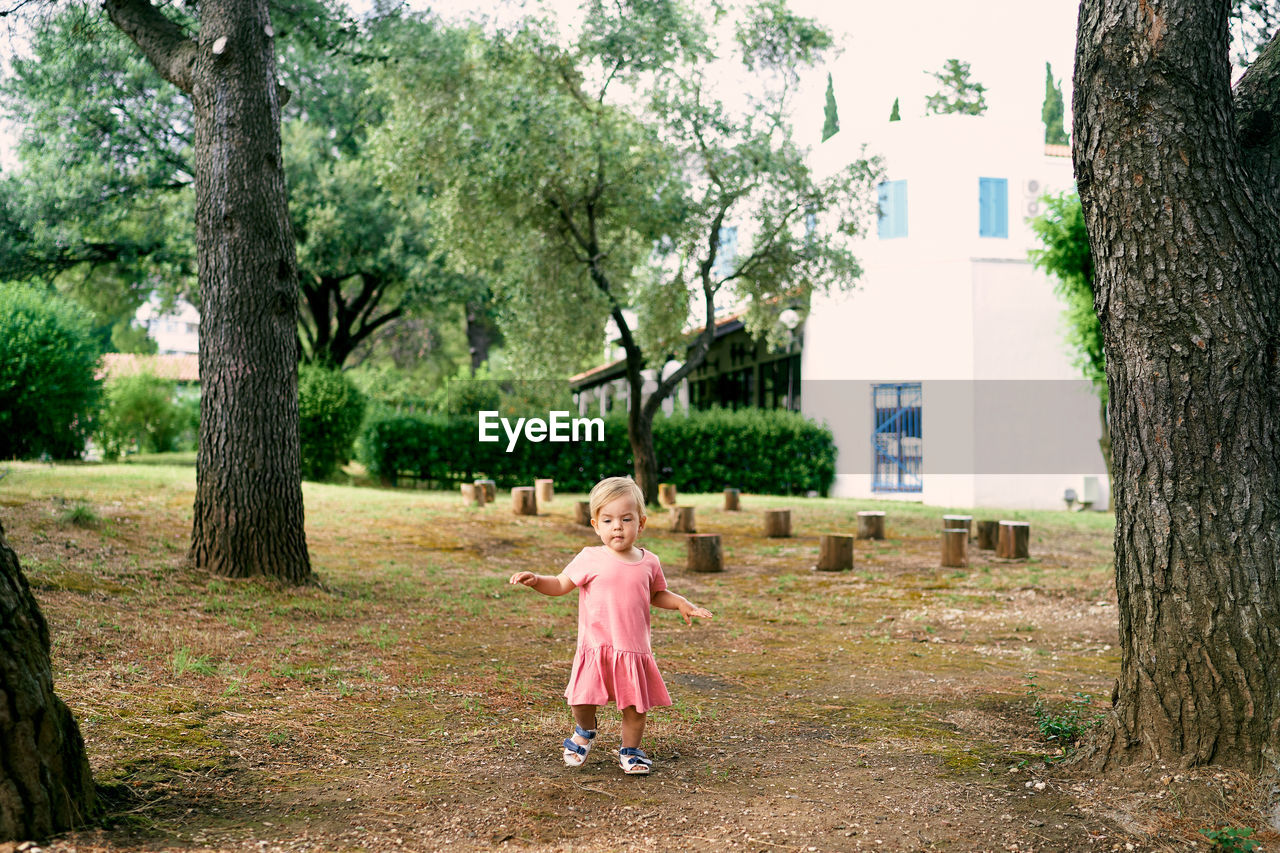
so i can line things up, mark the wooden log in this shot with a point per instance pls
(777, 523)
(682, 520)
(545, 490)
(472, 495)
(582, 513)
(835, 552)
(988, 533)
(871, 524)
(490, 490)
(1014, 542)
(961, 522)
(667, 494)
(955, 548)
(731, 500)
(524, 501)
(704, 552)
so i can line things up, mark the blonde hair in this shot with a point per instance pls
(611, 488)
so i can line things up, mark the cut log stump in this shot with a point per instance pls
(705, 553)
(472, 495)
(835, 552)
(777, 523)
(1014, 540)
(682, 520)
(524, 501)
(667, 494)
(582, 513)
(731, 500)
(958, 522)
(871, 524)
(490, 490)
(545, 490)
(955, 548)
(988, 534)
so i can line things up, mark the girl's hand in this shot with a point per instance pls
(526, 578)
(687, 610)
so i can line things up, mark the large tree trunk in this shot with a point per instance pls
(248, 516)
(45, 785)
(1186, 251)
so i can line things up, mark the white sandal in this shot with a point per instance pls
(633, 761)
(575, 754)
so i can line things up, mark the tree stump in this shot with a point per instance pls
(871, 524)
(545, 490)
(958, 522)
(704, 552)
(1014, 540)
(955, 548)
(490, 490)
(524, 501)
(667, 494)
(582, 513)
(472, 495)
(777, 523)
(988, 534)
(682, 520)
(731, 500)
(45, 779)
(835, 552)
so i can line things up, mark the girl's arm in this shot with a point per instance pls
(668, 600)
(545, 584)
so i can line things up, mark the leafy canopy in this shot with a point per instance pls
(957, 93)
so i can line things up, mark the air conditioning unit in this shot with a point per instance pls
(1031, 192)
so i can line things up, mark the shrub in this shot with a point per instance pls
(330, 410)
(48, 390)
(767, 452)
(141, 414)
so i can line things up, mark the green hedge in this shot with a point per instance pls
(765, 452)
(330, 409)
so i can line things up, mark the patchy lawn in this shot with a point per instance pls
(413, 699)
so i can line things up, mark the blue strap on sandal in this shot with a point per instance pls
(576, 753)
(633, 761)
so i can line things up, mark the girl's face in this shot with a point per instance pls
(618, 523)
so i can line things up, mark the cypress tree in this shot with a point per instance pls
(1053, 111)
(831, 122)
(893, 114)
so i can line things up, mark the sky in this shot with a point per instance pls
(886, 51)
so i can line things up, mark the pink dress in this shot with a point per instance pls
(614, 660)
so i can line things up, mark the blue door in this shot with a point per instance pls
(897, 444)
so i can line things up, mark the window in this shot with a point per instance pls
(892, 202)
(727, 253)
(897, 438)
(993, 207)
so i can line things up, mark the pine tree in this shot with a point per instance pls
(831, 122)
(1053, 110)
(894, 115)
(958, 93)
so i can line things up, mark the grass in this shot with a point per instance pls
(414, 693)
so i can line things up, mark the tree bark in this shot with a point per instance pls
(1182, 221)
(45, 784)
(248, 517)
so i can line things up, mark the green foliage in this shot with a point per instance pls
(894, 115)
(830, 120)
(1233, 839)
(48, 389)
(766, 452)
(141, 415)
(1053, 111)
(957, 93)
(184, 662)
(80, 514)
(1067, 725)
(330, 410)
(1066, 257)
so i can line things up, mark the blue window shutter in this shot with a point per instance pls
(993, 207)
(899, 208)
(884, 206)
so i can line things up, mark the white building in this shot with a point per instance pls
(945, 376)
(176, 330)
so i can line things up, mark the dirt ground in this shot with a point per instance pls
(412, 700)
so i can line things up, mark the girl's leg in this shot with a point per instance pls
(632, 726)
(585, 716)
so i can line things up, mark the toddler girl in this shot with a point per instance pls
(617, 582)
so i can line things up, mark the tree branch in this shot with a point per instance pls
(164, 43)
(1257, 103)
